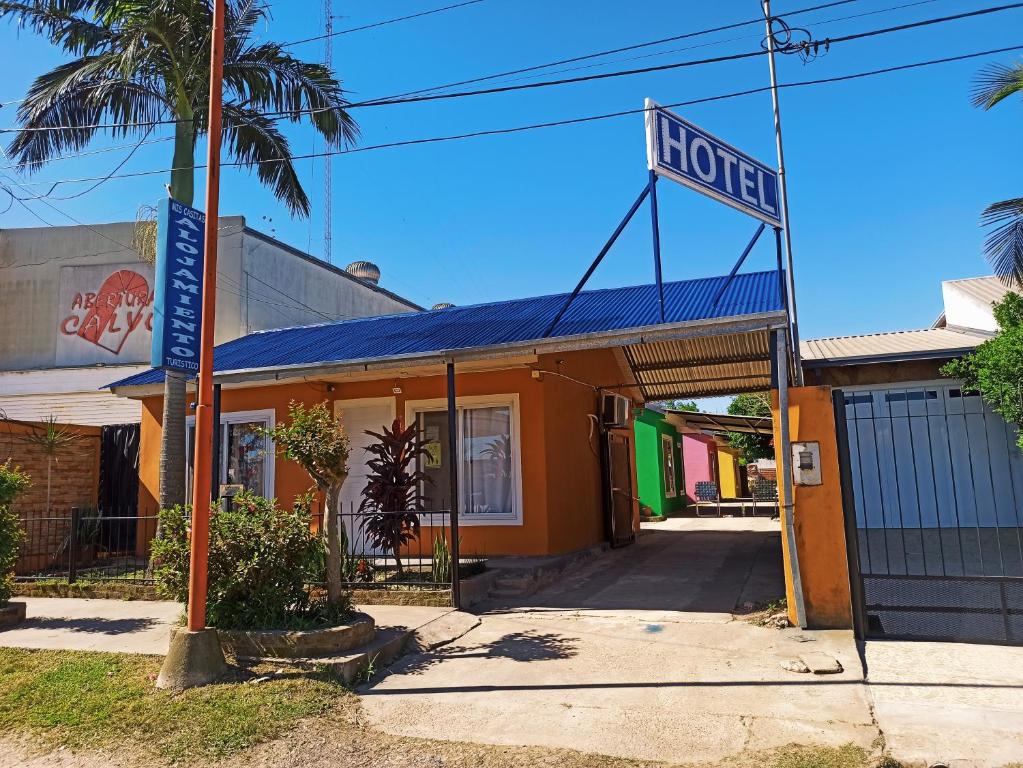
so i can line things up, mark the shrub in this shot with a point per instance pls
(12, 482)
(262, 560)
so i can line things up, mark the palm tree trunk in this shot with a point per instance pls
(172, 442)
(182, 186)
(332, 529)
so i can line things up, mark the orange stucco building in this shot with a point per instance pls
(556, 478)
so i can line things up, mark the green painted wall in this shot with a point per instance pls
(649, 426)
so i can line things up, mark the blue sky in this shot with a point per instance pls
(887, 175)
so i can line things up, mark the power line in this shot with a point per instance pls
(623, 49)
(680, 64)
(376, 24)
(573, 80)
(100, 151)
(607, 115)
(713, 43)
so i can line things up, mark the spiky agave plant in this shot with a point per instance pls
(391, 500)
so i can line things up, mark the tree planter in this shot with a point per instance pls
(283, 643)
(11, 614)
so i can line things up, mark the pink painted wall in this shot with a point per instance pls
(699, 461)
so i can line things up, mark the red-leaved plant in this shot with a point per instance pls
(391, 499)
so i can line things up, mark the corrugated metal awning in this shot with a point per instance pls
(703, 366)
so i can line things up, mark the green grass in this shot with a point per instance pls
(79, 700)
(849, 756)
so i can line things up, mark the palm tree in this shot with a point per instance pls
(136, 63)
(1004, 245)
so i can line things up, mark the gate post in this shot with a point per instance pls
(787, 502)
(852, 544)
(72, 549)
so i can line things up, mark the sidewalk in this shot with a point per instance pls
(144, 626)
(954, 702)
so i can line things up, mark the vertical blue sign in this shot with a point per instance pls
(681, 151)
(177, 310)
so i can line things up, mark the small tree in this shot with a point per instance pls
(391, 497)
(12, 483)
(51, 439)
(689, 406)
(995, 368)
(753, 447)
(317, 441)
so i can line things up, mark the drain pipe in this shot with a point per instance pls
(782, 367)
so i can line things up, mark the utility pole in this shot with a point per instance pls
(195, 656)
(797, 364)
(328, 182)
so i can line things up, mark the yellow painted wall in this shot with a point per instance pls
(818, 515)
(560, 470)
(728, 472)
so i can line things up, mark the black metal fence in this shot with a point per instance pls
(401, 550)
(105, 545)
(86, 545)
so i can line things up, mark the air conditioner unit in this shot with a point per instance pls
(614, 411)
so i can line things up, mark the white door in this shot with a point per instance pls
(357, 417)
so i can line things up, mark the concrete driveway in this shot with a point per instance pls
(636, 654)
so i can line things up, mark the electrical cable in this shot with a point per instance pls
(383, 23)
(606, 115)
(623, 49)
(291, 114)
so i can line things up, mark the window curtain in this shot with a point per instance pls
(487, 461)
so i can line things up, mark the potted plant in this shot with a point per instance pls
(12, 483)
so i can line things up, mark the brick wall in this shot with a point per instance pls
(74, 480)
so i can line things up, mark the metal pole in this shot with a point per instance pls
(202, 476)
(215, 463)
(785, 451)
(657, 241)
(782, 288)
(793, 315)
(456, 591)
(596, 262)
(738, 265)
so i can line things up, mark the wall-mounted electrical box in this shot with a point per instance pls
(806, 463)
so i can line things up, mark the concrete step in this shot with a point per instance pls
(388, 644)
(443, 630)
(351, 668)
(523, 583)
(507, 593)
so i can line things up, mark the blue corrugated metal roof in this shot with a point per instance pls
(485, 325)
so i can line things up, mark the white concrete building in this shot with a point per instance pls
(76, 310)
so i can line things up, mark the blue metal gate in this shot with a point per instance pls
(933, 486)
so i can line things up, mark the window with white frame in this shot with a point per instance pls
(489, 489)
(246, 454)
(668, 465)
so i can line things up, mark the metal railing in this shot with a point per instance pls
(423, 559)
(88, 545)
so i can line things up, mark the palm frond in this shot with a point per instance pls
(64, 104)
(267, 78)
(69, 24)
(995, 83)
(1004, 245)
(255, 142)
